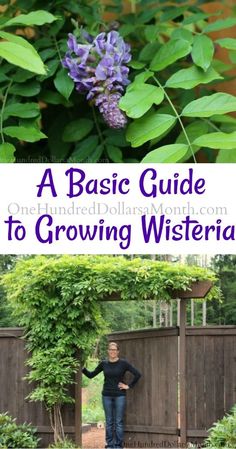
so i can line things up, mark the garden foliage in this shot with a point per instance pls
(224, 312)
(175, 111)
(6, 319)
(64, 444)
(222, 434)
(92, 410)
(14, 435)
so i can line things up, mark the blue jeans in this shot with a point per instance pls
(114, 408)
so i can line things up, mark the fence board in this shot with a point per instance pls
(230, 372)
(209, 379)
(191, 390)
(219, 374)
(199, 391)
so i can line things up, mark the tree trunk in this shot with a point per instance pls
(154, 313)
(57, 423)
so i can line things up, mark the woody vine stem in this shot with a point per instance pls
(178, 117)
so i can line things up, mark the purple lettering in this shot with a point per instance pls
(47, 181)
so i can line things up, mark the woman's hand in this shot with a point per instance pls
(122, 386)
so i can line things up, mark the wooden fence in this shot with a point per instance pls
(210, 376)
(188, 382)
(174, 402)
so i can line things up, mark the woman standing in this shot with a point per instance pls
(114, 393)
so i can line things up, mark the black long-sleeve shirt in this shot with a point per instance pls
(113, 374)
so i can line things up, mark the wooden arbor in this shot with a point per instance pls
(198, 290)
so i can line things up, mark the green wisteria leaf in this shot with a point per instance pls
(149, 127)
(218, 140)
(219, 103)
(192, 77)
(139, 98)
(167, 154)
(169, 53)
(203, 51)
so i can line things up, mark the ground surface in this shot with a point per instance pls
(95, 438)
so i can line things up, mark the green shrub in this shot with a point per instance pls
(63, 444)
(13, 435)
(223, 432)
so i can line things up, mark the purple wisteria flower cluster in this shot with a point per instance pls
(98, 68)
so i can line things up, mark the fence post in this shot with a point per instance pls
(78, 418)
(182, 372)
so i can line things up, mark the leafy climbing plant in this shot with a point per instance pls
(18, 51)
(56, 299)
(172, 102)
(175, 110)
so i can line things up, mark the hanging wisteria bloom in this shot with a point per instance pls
(98, 68)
